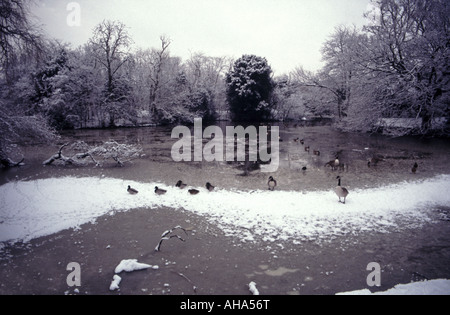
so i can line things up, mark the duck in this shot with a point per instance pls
(194, 191)
(272, 183)
(340, 191)
(159, 191)
(414, 168)
(209, 187)
(132, 191)
(180, 185)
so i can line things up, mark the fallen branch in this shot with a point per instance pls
(187, 279)
(59, 156)
(166, 236)
(8, 163)
(158, 247)
(120, 153)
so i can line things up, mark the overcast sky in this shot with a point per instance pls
(289, 33)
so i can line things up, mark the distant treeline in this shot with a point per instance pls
(395, 67)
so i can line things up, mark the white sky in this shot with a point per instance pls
(289, 33)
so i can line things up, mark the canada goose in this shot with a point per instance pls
(302, 141)
(159, 191)
(333, 164)
(180, 185)
(316, 152)
(194, 191)
(414, 168)
(340, 191)
(297, 140)
(209, 187)
(132, 191)
(307, 149)
(272, 183)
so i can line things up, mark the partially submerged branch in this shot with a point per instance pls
(8, 163)
(120, 153)
(167, 236)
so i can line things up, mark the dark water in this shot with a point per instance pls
(397, 157)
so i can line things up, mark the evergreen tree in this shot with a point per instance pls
(249, 88)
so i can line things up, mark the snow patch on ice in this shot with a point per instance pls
(43, 207)
(432, 287)
(130, 265)
(115, 283)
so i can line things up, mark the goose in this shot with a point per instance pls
(132, 191)
(340, 191)
(414, 168)
(272, 183)
(307, 149)
(316, 152)
(194, 191)
(159, 191)
(334, 164)
(302, 141)
(180, 185)
(209, 187)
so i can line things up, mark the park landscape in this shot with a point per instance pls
(81, 125)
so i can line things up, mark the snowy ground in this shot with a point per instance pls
(31, 209)
(43, 207)
(433, 287)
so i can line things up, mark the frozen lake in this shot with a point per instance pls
(388, 203)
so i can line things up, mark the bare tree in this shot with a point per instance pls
(17, 35)
(339, 71)
(111, 48)
(156, 63)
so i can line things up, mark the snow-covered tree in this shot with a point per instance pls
(249, 88)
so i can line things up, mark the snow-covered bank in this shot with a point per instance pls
(42, 207)
(432, 287)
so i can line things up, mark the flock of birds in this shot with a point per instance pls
(340, 191)
(179, 184)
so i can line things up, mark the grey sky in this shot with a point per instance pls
(289, 33)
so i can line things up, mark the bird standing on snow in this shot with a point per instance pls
(340, 191)
(132, 191)
(415, 167)
(159, 191)
(194, 191)
(272, 183)
(180, 185)
(209, 187)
